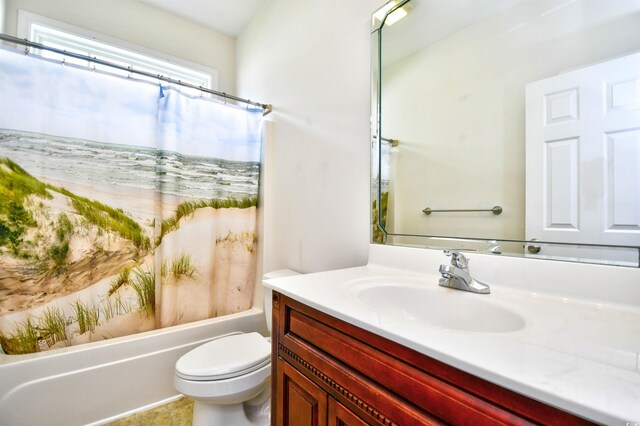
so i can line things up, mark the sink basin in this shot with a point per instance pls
(442, 307)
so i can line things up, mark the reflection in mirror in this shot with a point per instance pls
(529, 105)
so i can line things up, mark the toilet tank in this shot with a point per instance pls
(280, 273)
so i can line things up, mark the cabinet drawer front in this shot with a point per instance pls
(436, 397)
(361, 396)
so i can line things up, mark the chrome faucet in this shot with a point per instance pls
(457, 275)
(494, 248)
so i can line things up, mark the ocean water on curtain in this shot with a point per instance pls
(89, 202)
(109, 166)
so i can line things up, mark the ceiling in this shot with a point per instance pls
(432, 20)
(225, 16)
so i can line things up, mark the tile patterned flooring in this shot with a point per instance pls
(176, 413)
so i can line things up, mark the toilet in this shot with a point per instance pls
(229, 377)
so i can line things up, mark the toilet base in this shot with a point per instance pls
(251, 413)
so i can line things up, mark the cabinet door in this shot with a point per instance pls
(300, 401)
(339, 415)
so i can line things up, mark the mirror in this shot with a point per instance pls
(509, 126)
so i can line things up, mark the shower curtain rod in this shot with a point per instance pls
(266, 108)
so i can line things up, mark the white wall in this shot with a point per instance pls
(458, 109)
(141, 24)
(311, 60)
(2, 7)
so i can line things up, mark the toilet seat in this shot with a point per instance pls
(225, 358)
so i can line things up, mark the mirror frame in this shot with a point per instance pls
(379, 233)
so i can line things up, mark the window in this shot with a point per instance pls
(73, 39)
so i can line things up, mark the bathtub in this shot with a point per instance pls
(100, 382)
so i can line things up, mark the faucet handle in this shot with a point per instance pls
(458, 259)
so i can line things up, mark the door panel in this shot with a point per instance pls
(622, 176)
(339, 415)
(302, 402)
(561, 184)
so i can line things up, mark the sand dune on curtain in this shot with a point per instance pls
(217, 244)
(220, 244)
(51, 245)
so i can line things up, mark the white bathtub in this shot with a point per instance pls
(103, 381)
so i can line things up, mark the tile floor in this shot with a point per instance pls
(176, 413)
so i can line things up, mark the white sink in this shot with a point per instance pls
(442, 307)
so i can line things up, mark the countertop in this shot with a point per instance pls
(580, 354)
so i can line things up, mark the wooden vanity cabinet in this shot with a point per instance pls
(329, 372)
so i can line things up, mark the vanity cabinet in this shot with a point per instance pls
(329, 372)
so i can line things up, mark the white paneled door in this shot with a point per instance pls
(583, 159)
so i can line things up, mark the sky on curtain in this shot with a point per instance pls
(196, 127)
(81, 105)
(143, 112)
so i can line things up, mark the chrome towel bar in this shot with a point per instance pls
(494, 210)
(392, 142)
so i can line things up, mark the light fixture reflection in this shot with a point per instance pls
(395, 16)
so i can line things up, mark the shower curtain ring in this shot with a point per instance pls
(129, 73)
(248, 103)
(26, 47)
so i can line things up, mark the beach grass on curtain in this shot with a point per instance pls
(58, 252)
(53, 326)
(121, 279)
(107, 218)
(87, 316)
(24, 339)
(143, 283)
(16, 185)
(113, 306)
(182, 266)
(64, 228)
(189, 207)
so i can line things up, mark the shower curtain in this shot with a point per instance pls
(124, 206)
(382, 172)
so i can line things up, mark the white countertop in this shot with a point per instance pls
(579, 349)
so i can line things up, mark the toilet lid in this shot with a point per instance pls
(226, 357)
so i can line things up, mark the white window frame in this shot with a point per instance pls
(47, 31)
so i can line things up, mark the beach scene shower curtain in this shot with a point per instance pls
(124, 206)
